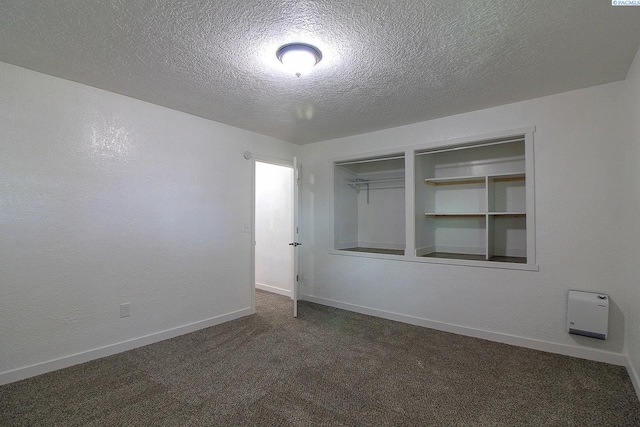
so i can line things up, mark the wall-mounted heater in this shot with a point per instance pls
(588, 314)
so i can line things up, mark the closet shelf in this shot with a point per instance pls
(511, 214)
(473, 214)
(358, 184)
(455, 181)
(461, 180)
(505, 177)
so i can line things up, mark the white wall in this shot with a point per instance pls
(345, 210)
(274, 228)
(381, 221)
(633, 223)
(105, 199)
(580, 144)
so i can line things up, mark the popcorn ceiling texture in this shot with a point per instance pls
(384, 63)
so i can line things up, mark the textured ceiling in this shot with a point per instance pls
(385, 63)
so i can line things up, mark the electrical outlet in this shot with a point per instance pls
(125, 309)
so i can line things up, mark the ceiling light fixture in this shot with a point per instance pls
(299, 58)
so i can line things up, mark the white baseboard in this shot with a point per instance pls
(97, 353)
(273, 289)
(633, 374)
(566, 350)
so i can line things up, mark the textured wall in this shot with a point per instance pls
(105, 199)
(633, 165)
(580, 144)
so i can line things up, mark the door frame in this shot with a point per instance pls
(279, 162)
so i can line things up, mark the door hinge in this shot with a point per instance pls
(297, 278)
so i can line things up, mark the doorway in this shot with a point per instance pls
(274, 227)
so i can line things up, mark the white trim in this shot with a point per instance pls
(462, 147)
(367, 255)
(566, 350)
(449, 261)
(261, 158)
(474, 263)
(470, 139)
(369, 155)
(633, 374)
(273, 289)
(410, 203)
(530, 185)
(252, 267)
(108, 350)
(377, 159)
(273, 160)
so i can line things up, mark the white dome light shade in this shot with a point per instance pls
(298, 58)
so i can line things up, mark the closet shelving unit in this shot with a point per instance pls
(479, 216)
(489, 182)
(471, 202)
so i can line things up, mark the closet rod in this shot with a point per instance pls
(464, 147)
(369, 160)
(357, 186)
(373, 181)
(387, 188)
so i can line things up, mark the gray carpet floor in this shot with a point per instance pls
(329, 367)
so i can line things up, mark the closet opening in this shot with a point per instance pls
(369, 202)
(471, 201)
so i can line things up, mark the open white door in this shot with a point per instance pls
(296, 234)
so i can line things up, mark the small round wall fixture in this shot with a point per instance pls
(299, 58)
